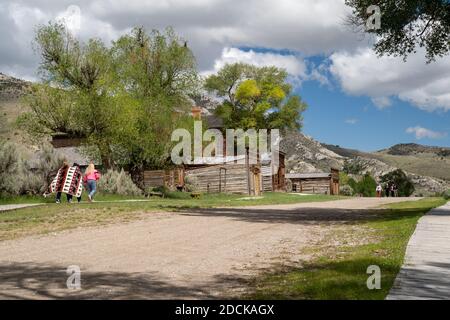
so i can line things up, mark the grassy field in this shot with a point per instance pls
(339, 271)
(51, 217)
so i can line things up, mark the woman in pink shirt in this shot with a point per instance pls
(91, 176)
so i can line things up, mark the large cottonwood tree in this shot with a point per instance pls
(405, 25)
(255, 98)
(124, 99)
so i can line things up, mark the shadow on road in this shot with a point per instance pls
(304, 215)
(42, 281)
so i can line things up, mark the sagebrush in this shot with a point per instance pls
(118, 182)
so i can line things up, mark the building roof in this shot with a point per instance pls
(314, 175)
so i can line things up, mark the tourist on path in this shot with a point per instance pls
(91, 176)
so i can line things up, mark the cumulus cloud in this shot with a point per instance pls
(382, 102)
(414, 81)
(421, 133)
(307, 26)
(293, 64)
(215, 29)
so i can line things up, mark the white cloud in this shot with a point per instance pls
(215, 28)
(308, 26)
(294, 65)
(351, 121)
(424, 85)
(421, 133)
(382, 102)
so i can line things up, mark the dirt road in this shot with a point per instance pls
(196, 254)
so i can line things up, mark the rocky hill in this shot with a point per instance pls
(11, 105)
(424, 165)
(11, 88)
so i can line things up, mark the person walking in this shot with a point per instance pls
(91, 176)
(58, 182)
(70, 196)
(68, 180)
(392, 190)
(395, 190)
(387, 189)
(379, 189)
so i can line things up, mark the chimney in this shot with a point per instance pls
(196, 113)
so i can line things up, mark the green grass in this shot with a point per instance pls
(51, 198)
(339, 272)
(51, 217)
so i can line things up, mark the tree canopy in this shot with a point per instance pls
(255, 97)
(159, 73)
(406, 26)
(401, 180)
(124, 100)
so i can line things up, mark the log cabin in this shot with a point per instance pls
(315, 183)
(233, 175)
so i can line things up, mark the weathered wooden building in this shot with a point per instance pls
(236, 175)
(273, 175)
(170, 178)
(227, 178)
(317, 183)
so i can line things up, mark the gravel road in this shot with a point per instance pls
(197, 254)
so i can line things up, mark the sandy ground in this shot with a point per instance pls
(198, 254)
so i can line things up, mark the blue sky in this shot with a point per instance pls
(335, 117)
(355, 121)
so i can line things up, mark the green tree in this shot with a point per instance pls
(255, 97)
(159, 73)
(353, 184)
(366, 187)
(401, 180)
(79, 95)
(124, 101)
(343, 178)
(406, 25)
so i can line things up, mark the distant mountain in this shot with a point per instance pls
(412, 149)
(428, 167)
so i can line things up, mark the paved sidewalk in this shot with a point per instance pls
(8, 207)
(425, 273)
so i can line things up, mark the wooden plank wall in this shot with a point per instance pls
(230, 178)
(266, 172)
(170, 178)
(313, 185)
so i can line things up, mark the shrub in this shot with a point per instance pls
(16, 175)
(366, 186)
(191, 184)
(10, 164)
(446, 195)
(353, 184)
(404, 184)
(48, 163)
(115, 182)
(343, 178)
(346, 190)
